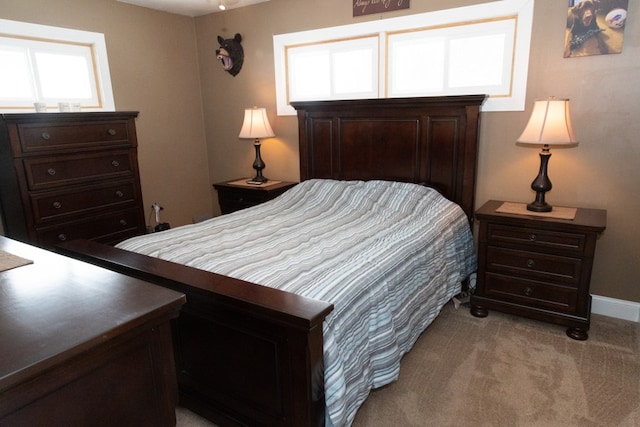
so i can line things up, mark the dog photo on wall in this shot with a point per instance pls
(595, 27)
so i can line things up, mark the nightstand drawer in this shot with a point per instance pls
(537, 238)
(242, 198)
(534, 265)
(233, 204)
(530, 292)
(236, 195)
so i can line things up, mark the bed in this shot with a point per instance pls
(274, 354)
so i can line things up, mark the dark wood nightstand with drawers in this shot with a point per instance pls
(237, 194)
(537, 266)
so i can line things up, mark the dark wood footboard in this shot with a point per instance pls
(245, 354)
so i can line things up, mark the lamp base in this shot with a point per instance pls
(539, 207)
(541, 184)
(258, 165)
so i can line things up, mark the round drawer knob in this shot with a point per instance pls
(115, 163)
(531, 263)
(51, 171)
(46, 136)
(119, 193)
(62, 237)
(111, 132)
(57, 205)
(123, 222)
(528, 291)
(532, 237)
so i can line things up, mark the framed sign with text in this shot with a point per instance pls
(368, 7)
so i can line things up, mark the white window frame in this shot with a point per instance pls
(92, 44)
(516, 17)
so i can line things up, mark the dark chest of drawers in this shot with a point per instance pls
(537, 267)
(70, 175)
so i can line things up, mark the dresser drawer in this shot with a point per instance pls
(48, 172)
(55, 206)
(40, 137)
(109, 228)
(531, 293)
(534, 265)
(537, 238)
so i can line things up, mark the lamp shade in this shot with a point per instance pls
(549, 124)
(256, 124)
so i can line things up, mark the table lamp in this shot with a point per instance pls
(255, 126)
(549, 124)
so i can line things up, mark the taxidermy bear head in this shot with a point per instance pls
(231, 54)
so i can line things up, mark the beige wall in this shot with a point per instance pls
(602, 172)
(185, 116)
(154, 70)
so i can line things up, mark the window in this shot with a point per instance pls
(462, 59)
(326, 70)
(482, 49)
(48, 64)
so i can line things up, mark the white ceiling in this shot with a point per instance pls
(191, 7)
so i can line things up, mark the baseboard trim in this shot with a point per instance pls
(618, 308)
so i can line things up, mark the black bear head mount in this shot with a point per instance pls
(231, 54)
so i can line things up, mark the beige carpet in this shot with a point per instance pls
(508, 371)
(186, 418)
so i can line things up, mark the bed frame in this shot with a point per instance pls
(251, 355)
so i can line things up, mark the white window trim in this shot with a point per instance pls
(521, 9)
(95, 40)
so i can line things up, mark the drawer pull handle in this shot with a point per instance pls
(530, 263)
(62, 237)
(115, 163)
(532, 237)
(528, 291)
(46, 136)
(111, 132)
(123, 222)
(119, 193)
(51, 171)
(57, 205)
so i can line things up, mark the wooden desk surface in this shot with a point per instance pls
(59, 307)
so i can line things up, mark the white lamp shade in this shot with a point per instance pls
(256, 124)
(549, 124)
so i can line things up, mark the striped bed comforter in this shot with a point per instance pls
(387, 255)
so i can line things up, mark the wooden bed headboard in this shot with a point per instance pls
(428, 140)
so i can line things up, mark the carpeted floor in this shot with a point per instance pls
(507, 371)
(186, 418)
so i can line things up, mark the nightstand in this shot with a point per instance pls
(237, 194)
(537, 265)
